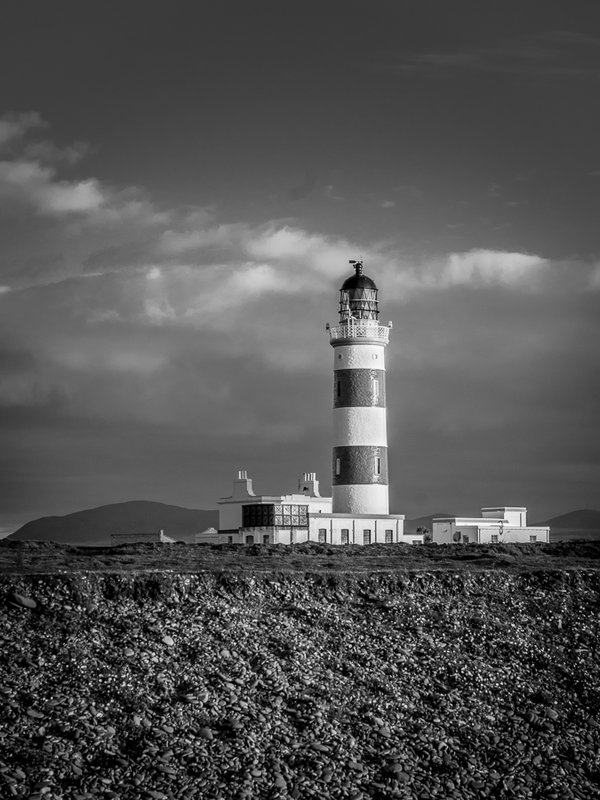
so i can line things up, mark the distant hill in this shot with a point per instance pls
(585, 519)
(411, 525)
(94, 526)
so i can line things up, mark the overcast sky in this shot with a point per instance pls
(181, 187)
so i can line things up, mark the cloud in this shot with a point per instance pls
(15, 126)
(594, 279)
(558, 54)
(29, 175)
(35, 184)
(47, 152)
(488, 267)
(192, 341)
(303, 188)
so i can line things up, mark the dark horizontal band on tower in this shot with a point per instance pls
(359, 387)
(359, 464)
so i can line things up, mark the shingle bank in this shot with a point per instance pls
(449, 684)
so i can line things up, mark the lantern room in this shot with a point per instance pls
(358, 296)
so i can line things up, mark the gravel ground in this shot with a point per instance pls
(415, 685)
(38, 557)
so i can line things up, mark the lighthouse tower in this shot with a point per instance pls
(360, 468)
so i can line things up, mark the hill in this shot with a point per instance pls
(584, 519)
(94, 526)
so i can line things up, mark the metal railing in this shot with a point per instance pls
(360, 329)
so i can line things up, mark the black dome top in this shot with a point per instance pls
(358, 297)
(358, 280)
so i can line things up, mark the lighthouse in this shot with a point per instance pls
(358, 511)
(359, 463)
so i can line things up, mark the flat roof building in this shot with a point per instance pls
(497, 524)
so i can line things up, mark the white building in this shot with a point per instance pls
(497, 524)
(248, 518)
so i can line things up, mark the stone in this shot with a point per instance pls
(22, 600)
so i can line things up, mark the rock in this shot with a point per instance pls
(206, 733)
(21, 600)
(168, 640)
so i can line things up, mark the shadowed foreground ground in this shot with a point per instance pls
(439, 683)
(39, 557)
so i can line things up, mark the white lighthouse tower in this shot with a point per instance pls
(360, 464)
(358, 511)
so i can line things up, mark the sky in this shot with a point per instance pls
(182, 186)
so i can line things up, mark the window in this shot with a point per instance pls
(230, 540)
(250, 539)
(375, 390)
(366, 536)
(533, 538)
(338, 388)
(266, 515)
(265, 538)
(377, 465)
(337, 466)
(322, 535)
(465, 539)
(494, 538)
(345, 535)
(389, 536)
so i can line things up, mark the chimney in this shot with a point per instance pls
(309, 485)
(242, 486)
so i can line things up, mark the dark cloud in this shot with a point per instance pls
(550, 54)
(163, 317)
(305, 187)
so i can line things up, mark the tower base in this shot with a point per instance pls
(360, 498)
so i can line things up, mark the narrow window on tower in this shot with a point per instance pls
(375, 390)
(337, 466)
(338, 388)
(378, 466)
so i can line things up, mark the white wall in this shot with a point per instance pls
(523, 535)
(360, 425)
(230, 515)
(334, 524)
(359, 356)
(514, 515)
(359, 498)
(441, 532)
(482, 532)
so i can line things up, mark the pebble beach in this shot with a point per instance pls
(172, 685)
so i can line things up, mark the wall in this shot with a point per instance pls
(443, 532)
(516, 516)
(334, 524)
(523, 535)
